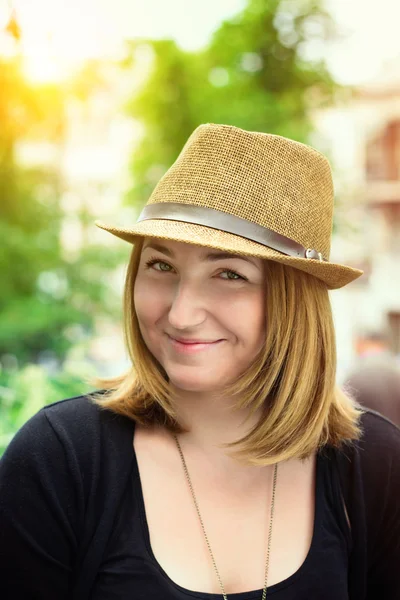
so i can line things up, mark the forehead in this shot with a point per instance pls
(175, 249)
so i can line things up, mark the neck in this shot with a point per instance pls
(211, 422)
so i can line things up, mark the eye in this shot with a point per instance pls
(158, 265)
(232, 275)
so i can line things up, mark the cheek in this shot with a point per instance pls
(148, 303)
(249, 319)
(260, 317)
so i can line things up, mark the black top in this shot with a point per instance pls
(73, 523)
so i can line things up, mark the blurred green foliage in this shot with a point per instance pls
(253, 74)
(24, 391)
(42, 293)
(48, 301)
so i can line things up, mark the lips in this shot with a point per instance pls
(191, 345)
(191, 341)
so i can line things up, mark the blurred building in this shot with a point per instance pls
(362, 136)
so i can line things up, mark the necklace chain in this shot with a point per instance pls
(275, 476)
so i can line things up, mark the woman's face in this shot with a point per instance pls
(201, 312)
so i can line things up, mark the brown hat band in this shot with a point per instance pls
(216, 219)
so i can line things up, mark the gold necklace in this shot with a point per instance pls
(275, 476)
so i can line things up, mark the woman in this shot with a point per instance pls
(226, 463)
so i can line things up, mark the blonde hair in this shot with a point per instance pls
(292, 380)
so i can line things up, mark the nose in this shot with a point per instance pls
(187, 308)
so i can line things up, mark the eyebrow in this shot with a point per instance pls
(211, 256)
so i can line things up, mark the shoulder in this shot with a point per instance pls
(62, 478)
(82, 418)
(377, 451)
(376, 426)
(378, 458)
(369, 468)
(380, 439)
(76, 429)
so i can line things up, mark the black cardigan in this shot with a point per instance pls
(78, 458)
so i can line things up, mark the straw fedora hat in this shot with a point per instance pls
(247, 193)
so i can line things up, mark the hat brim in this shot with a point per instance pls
(334, 275)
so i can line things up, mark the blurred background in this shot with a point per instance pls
(97, 97)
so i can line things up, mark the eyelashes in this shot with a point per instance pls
(232, 275)
(153, 261)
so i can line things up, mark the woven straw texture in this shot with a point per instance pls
(267, 179)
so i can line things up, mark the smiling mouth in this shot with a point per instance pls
(189, 346)
(192, 341)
